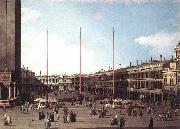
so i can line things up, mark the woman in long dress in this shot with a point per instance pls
(68, 117)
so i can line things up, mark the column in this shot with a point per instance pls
(154, 97)
(14, 91)
(9, 92)
(0, 92)
(162, 98)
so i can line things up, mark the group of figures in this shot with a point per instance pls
(135, 111)
(118, 121)
(69, 116)
(49, 116)
(25, 107)
(101, 111)
(7, 120)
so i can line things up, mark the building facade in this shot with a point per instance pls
(156, 80)
(65, 83)
(146, 81)
(10, 47)
(102, 83)
(28, 81)
(57, 82)
(169, 81)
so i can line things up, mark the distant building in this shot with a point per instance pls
(10, 48)
(65, 83)
(146, 81)
(102, 83)
(28, 81)
(169, 81)
(49, 83)
(155, 80)
(55, 82)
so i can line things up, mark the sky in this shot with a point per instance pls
(143, 29)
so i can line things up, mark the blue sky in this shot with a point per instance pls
(143, 28)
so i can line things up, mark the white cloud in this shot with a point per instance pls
(30, 15)
(116, 1)
(63, 57)
(98, 15)
(159, 43)
(85, 1)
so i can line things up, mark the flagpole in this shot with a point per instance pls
(113, 63)
(47, 69)
(80, 83)
(6, 66)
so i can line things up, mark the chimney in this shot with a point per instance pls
(172, 57)
(130, 64)
(151, 59)
(137, 62)
(141, 62)
(27, 68)
(164, 58)
(160, 57)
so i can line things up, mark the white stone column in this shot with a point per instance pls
(14, 91)
(9, 92)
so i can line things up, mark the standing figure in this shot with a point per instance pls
(68, 118)
(58, 116)
(122, 122)
(140, 113)
(47, 124)
(151, 123)
(65, 118)
(4, 107)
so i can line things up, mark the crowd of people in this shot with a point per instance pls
(51, 113)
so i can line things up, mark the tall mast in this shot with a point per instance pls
(80, 83)
(113, 62)
(6, 60)
(47, 68)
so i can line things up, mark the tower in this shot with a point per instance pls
(177, 59)
(10, 42)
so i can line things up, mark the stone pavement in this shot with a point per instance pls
(84, 120)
